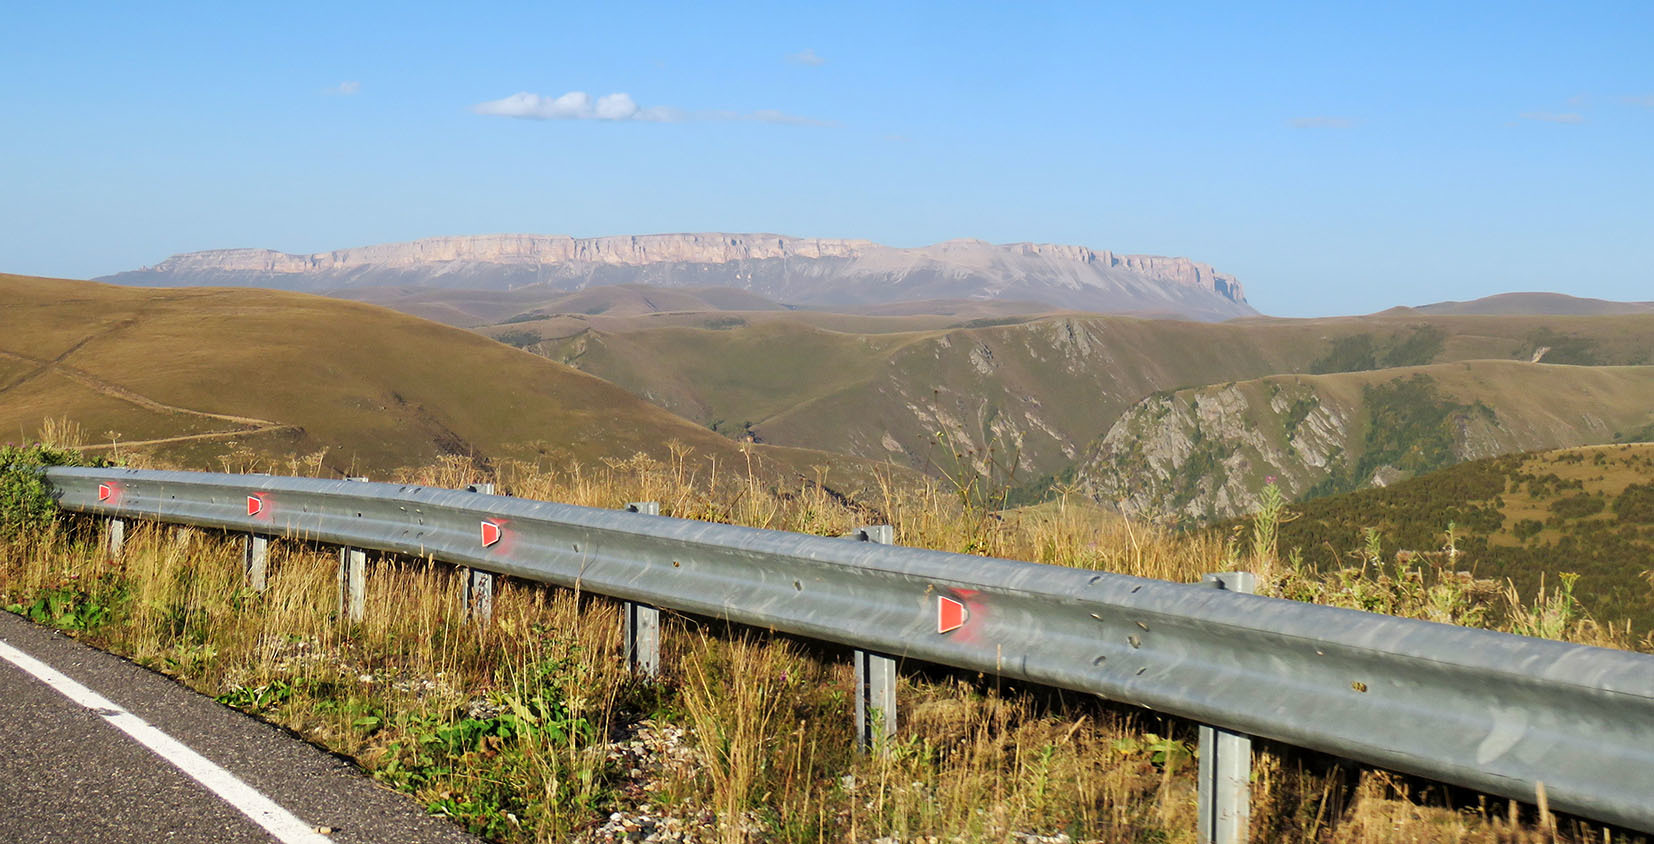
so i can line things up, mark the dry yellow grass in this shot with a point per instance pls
(358, 388)
(520, 730)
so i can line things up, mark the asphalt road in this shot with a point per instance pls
(68, 774)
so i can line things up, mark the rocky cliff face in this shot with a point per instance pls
(794, 270)
(519, 249)
(1206, 452)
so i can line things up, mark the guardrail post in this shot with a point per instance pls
(353, 583)
(353, 580)
(255, 557)
(1225, 780)
(476, 588)
(117, 536)
(875, 673)
(640, 623)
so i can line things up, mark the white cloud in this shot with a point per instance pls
(344, 89)
(1568, 117)
(575, 105)
(1321, 123)
(615, 107)
(1646, 100)
(578, 105)
(806, 57)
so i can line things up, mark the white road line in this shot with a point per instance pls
(262, 810)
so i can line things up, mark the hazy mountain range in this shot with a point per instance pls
(1555, 304)
(789, 270)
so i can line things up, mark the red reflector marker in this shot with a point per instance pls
(950, 614)
(104, 492)
(255, 505)
(490, 533)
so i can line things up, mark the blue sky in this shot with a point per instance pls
(1337, 159)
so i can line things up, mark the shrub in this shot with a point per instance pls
(1527, 529)
(1636, 504)
(26, 503)
(520, 338)
(1578, 506)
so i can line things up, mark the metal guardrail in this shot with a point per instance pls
(1522, 718)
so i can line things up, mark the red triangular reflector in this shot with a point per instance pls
(490, 533)
(950, 614)
(255, 505)
(104, 492)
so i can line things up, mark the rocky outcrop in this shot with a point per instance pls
(1207, 452)
(807, 271)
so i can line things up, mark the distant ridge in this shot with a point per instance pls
(791, 270)
(1533, 304)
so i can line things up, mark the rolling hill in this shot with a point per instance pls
(1588, 511)
(1553, 304)
(192, 373)
(1034, 392)
(1020, 399)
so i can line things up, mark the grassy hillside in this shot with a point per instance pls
(1589, 511)
(1017, 390)
(1210, 450)
(193, 373)
(727, 378)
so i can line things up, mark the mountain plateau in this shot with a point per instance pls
(792, 270)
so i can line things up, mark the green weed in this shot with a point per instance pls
(73, 607)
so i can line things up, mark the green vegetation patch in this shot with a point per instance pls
(1645, 434)
(482, 766)
(1410, 428)
(1348, 354)
(1362, 352)
(79, 604)
(993, 322)
(1636, 504)
(26, 503)
(1578, 506)
(520, 338)
(1563, 348)
(724, 323)
(1520, 518)
(1302, 406)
